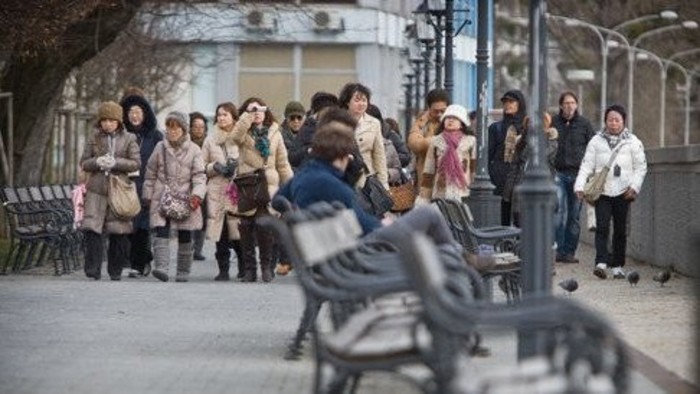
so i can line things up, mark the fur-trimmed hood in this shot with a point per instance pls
(150, 123)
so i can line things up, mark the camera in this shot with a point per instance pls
(255, 108)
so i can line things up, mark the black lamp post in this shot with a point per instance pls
(426, 36)
(483, 202)
(408, 98)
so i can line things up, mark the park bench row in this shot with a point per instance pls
(41, 228)
(412, 303)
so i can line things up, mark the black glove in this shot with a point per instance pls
(231, 166)
(220, 169)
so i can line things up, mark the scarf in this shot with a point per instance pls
(614, 139)
(262, 143)
(199, 141)
(178, 143)
(449, 164)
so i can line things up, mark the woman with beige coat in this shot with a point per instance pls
(110, 150)
(260, 145)
(220, 154)
(176, 163)
(355, 98)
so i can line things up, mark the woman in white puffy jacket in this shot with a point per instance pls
(622, 185)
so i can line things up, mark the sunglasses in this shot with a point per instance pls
(295, 117)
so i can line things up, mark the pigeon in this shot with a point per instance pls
(569, 285)
(662, 277)
(633, 278)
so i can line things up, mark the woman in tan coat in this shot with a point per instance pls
(110, 150)
(260, 145)
(220, 154)
(176, 163)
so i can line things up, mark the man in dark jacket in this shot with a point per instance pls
(294, 116)
(574, 133)
(140, 120)
(514, 114)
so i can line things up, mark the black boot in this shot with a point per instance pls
(265, 244)
(223, 270)
(249, 265)
(236, 245)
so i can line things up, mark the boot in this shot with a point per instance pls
(223, 270)
(266, 244)
(248, 262)
(239, 257)
(198, 240)
(184, 261)
(161, 257)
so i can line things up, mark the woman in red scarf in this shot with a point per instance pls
(450, 162)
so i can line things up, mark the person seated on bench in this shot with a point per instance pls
(321, 179)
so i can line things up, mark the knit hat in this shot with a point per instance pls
(456, 111)
(181, 119)
(294, 108)
(110, 110)
(619, 109)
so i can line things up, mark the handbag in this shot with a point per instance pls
(173, 205)
(374, 198)
(595, 184)
(403, 195)
(252, 190)
(122, 197)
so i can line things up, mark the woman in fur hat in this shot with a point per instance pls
(220, 154)
(450, 162)
(109, 150)
(177, 164)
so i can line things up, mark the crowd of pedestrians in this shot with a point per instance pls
(198, 183)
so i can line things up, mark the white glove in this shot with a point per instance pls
(106, 162)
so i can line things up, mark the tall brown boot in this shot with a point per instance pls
(249, 265)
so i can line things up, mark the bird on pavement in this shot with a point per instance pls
(570, 285)
(662, 277)
(633, 278)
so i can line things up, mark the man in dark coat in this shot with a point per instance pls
(294, 116)
(575, 132)
(140, 120)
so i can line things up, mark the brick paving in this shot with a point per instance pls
(69, 334)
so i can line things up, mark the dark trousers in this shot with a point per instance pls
(141, 253)
(117, 254)
(224, 245)
(607, 208)
(183, 236)
(506, 207)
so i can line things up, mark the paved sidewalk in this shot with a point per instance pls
(73, 335)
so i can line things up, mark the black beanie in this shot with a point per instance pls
(619, 109)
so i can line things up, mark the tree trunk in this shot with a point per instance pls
(36, 82)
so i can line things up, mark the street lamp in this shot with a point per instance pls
(687, 52)
(604, 42)
(666, 14)
(635, 44)
(426, 36)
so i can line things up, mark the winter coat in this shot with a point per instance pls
(295, 150)
(497, 167)
(434, 183)
(419, 138)
(574, 135)
(393, 164)
(97, 216)
(182, 169)
(147, 136)
(217, 148)
(277, 167)
(402, 151)
(368, 135)
(630, 158)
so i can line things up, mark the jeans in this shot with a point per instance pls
(568, 228)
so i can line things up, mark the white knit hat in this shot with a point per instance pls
(456, 111)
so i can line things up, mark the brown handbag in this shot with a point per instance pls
(404, 197)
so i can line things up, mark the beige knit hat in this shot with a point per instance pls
(110, 110)
(456, 111)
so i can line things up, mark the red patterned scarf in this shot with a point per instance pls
(449, 164)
